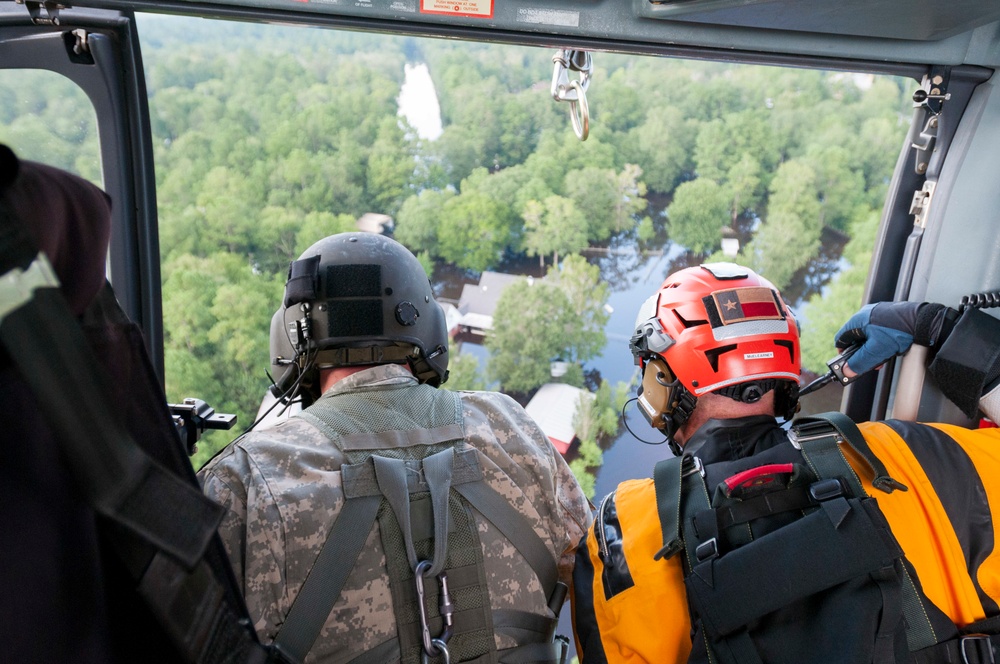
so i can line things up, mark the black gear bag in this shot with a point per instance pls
(788, 560)
(113, 534)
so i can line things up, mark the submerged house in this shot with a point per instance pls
(479, 301)
(554, 408)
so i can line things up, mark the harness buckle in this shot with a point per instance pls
(693, 466)
(826, 489)
(980, 651)
(707, 550)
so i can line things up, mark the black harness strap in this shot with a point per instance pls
(818, 426)
(818, 438)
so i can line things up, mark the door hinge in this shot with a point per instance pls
(35, 7)
(921, 203)
(930, 97)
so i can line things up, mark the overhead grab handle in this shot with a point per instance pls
(575, 91)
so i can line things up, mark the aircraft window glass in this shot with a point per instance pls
(46, 117)
(268, 138)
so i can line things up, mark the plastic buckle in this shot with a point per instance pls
(982, 652)
(826, 489)
(707, 550)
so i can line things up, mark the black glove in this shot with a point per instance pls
(888, 329)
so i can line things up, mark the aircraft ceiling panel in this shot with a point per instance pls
(871, 33)
(893, 19)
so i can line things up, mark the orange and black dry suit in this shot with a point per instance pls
(628, 607)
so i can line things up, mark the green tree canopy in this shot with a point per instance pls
(699, 210)
(554, 226)
(791, 234)
(531, 328)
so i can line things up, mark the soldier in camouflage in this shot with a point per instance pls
(472, 572)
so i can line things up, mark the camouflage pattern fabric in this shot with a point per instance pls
(283, 490)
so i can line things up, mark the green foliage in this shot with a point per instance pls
(581, 283)
(597, 418)
(662, 147)
(268, 138)
(791, 234)
(215, 314)
(473, 231)
(699, 210)
(464, 373)
(418, 219)
(532, 326)
(554, 226)
(826, 312)
(559, 318)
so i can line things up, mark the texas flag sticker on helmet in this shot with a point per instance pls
(744, 312)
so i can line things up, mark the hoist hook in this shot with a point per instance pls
(575, 91)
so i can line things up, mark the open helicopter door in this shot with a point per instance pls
(98, 50)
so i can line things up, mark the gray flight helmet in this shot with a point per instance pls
(356, 299)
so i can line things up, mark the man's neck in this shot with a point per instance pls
(716, 407)
(330, 377)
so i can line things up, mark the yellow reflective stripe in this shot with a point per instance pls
(921, 526)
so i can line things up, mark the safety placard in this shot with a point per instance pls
(476, 8)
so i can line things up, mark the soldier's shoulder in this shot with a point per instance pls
(255, 446)
(492, 403)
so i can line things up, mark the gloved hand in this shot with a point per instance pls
(887, 329)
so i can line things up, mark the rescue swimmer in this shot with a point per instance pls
(828, 542)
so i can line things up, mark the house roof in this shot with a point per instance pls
(554, 407)
(482, 298)
(372, 222)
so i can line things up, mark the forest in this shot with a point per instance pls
(268, 138)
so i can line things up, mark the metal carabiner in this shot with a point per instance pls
(434, 646)
(575, 92)
(442, 652)
(425, 632)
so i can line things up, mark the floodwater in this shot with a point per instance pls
(633, 275)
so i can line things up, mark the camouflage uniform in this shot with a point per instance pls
(283, 488)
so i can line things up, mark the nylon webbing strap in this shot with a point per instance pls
(437, 470)
(516, 528)
(667, 482)
(967, 649)
(387, 651)
(819, 443)
(192, 609)
(391, 477)
(850, 434)
(327, 577)
(822, 453)
(116, 477)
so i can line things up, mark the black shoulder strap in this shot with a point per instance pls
(163, 550)
(818, 437)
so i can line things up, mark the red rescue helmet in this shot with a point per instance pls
(720, 328)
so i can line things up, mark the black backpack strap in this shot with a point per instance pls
(163, 549)
(819, 445)
(818, 438)
(676, 480)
